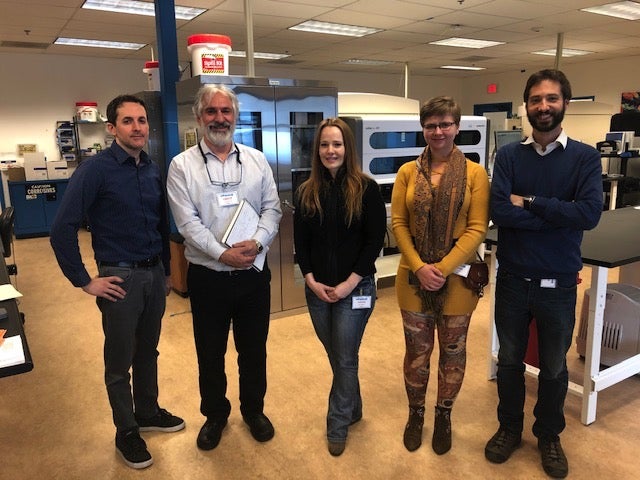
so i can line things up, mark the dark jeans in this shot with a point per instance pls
(340, 329)
(131, 333)
(517, 302)
(241, 298)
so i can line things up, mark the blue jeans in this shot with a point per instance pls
(518, 301)
(340, 329)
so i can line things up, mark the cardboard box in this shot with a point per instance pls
(16, 174)
(35, 166)
(58, 169)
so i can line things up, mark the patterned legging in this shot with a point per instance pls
(419, 329)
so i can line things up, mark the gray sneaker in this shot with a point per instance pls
(502, 445)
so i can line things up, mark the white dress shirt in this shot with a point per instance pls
(194, 189)
(561, 141)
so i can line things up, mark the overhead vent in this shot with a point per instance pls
(31, 45)
(474, 58)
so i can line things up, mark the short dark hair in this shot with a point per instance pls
(440, 106)
(114, 105)
(551, 75)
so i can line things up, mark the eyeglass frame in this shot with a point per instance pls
(216, 183)
(444, 126)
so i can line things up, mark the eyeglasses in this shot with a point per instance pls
(216, 183)
(444, 126)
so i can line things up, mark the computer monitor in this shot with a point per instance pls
(503, 137)
(625, 140)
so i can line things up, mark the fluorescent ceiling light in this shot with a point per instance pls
(139, 8)
(266, 56)
(586, 98)
(83, 42)
(460, 67)
(566, 52)
(626, 10)
(466, 43)
(363, 61)
(334, 28)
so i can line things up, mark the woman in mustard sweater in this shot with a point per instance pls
(440, 215)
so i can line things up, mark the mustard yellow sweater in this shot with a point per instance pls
(470, 230)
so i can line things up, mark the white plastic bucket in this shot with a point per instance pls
(87, 111)
(152, 69)
(209, 54)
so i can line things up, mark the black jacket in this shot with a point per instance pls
(331, 249)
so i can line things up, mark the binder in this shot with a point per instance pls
(243, 226)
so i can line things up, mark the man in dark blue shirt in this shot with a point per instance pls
(545, 192)
(120, 193)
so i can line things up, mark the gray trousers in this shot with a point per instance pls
(131, 333)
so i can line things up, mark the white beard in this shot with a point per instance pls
(219, 139)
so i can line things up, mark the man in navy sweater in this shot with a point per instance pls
(545, 192)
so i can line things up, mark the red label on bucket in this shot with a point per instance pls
(213, 63)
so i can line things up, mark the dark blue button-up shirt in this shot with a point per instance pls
(125, 206)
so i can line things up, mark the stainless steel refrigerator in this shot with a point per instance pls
(278, 117)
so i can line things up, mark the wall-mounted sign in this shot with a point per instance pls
(26, 148)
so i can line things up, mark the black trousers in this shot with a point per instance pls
(131, 333)
(239, 299)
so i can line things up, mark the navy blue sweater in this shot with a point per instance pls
(544, 242)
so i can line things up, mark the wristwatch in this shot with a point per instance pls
(259, 246)
(527, 201)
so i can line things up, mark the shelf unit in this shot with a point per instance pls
(67, 140)
(89, 137)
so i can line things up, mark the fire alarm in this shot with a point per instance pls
(492, 88)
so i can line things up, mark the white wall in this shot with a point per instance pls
(605, 79)
(37, 90)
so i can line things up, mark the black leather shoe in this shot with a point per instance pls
(210, 433)
(260, 426)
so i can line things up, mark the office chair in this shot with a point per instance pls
(6, 236)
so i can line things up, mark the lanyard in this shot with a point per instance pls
(215, 182)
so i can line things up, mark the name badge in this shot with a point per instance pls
(227, 199)
(360, 301)
(548, 283)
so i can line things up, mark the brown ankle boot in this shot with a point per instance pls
(441, 442)
(413, 429)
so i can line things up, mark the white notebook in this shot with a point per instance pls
(243, 226)
(11, 352)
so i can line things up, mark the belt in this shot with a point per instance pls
(234, 273)
(225, 273)
(146, 263)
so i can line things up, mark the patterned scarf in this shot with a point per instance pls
(436, 212)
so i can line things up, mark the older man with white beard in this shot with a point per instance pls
(205, 185)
